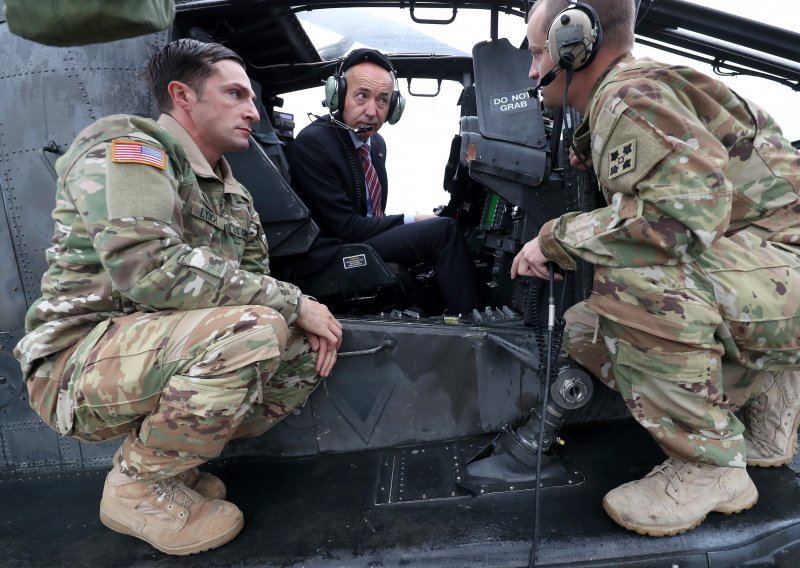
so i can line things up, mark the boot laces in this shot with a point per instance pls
(753, 413)
(672, 469)
(174, 493)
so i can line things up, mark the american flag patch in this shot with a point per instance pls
(136, 152)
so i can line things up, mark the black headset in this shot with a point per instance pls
(574, 36)
(336, 84)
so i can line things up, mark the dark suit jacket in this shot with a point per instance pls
(327, 174)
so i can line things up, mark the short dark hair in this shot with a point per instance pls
(617, 18)
(186, 60)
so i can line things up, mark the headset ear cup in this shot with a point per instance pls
(574, 37)
(396, 107)
(331, 94)
(342, 92)
(335, 91)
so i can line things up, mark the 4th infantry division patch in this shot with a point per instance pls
(138, 153)
(622, 159)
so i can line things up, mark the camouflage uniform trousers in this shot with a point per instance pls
(181, 384)
(687, 346)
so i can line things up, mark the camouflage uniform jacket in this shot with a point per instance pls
(682, 160)
(143, 223)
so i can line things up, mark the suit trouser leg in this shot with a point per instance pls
(178, 383)
(438, 241)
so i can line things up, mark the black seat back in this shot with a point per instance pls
(505, 145)
(285, 218)
(263, 171)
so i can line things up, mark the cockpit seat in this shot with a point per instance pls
(349, 277)
(285, 218)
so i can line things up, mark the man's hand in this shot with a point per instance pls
(324, 333)
(531, 262)
(423, 217)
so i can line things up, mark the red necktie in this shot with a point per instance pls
(373, 183)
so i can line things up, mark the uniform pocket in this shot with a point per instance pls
(43, 391)
(195, 416)
(682, 366)
(47, 390)
(673, 394)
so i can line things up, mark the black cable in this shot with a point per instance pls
(553, 345)
(551, 317)
(555, 138)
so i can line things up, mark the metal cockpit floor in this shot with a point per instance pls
(322, 512)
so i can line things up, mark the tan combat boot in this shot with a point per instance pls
(771, 420)
(206, 484)
(677, 495)
(168, 515)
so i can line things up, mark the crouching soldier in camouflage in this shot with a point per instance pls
(158, 317)
(695, 311)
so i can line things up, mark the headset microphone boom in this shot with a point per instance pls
(339, 124)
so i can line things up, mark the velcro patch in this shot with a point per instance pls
(622, 159)
(124, 151)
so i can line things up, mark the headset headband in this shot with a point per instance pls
(362, 55)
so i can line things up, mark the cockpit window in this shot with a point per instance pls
(335, 32)
(778, 13)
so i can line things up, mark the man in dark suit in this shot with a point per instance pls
(338, 166)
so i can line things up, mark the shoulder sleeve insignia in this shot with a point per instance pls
(622, 159)
(123, 151)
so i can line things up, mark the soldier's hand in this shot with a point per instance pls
(326, 353)
(531, 262)
(316, 320)
(582, 163)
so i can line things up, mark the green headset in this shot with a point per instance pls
(574, 36)
(336, 84)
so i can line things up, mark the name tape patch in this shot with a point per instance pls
(236, 230)
(207, 215)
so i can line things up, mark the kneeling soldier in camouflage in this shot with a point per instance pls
(695, 311)
(158, 318)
